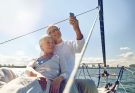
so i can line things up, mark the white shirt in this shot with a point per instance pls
(66, 51)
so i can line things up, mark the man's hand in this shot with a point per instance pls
(74, 22)
(56, 84)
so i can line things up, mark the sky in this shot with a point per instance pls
(19, 17)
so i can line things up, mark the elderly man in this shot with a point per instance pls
(67, 49)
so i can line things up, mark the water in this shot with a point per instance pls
(128, 79)
(127, 83)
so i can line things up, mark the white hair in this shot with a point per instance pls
(42, 39)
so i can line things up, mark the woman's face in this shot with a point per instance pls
(47, 45)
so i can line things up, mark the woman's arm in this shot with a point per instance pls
(30, 71)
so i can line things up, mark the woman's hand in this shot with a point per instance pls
(40, 76)
(55, 86)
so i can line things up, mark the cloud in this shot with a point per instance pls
(17, 60)
(126, 58)
(127, 55)
(125, 49)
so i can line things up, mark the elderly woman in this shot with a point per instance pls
(40, 73)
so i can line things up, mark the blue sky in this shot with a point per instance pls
(22, 16)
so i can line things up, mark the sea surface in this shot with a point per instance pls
(127, 84)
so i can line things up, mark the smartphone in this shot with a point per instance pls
(72, 14)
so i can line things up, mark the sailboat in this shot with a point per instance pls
(107, 88)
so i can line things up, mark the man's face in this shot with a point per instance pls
(48, 45)
(54, 32)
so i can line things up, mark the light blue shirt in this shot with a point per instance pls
(51, 68)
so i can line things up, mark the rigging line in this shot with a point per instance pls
(22, 35)
(17, 37)
(86, 68)
(123, 87)
(84, 71)
(77, 15)
(79, 74)
(121, 74)
(99, 77)
(129, 70)
(116, 85)
(74, 72)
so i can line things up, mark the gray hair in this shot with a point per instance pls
(51, 26)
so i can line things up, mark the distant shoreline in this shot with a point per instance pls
(79, 67)
(14, 66)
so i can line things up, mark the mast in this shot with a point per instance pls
(101, 19)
